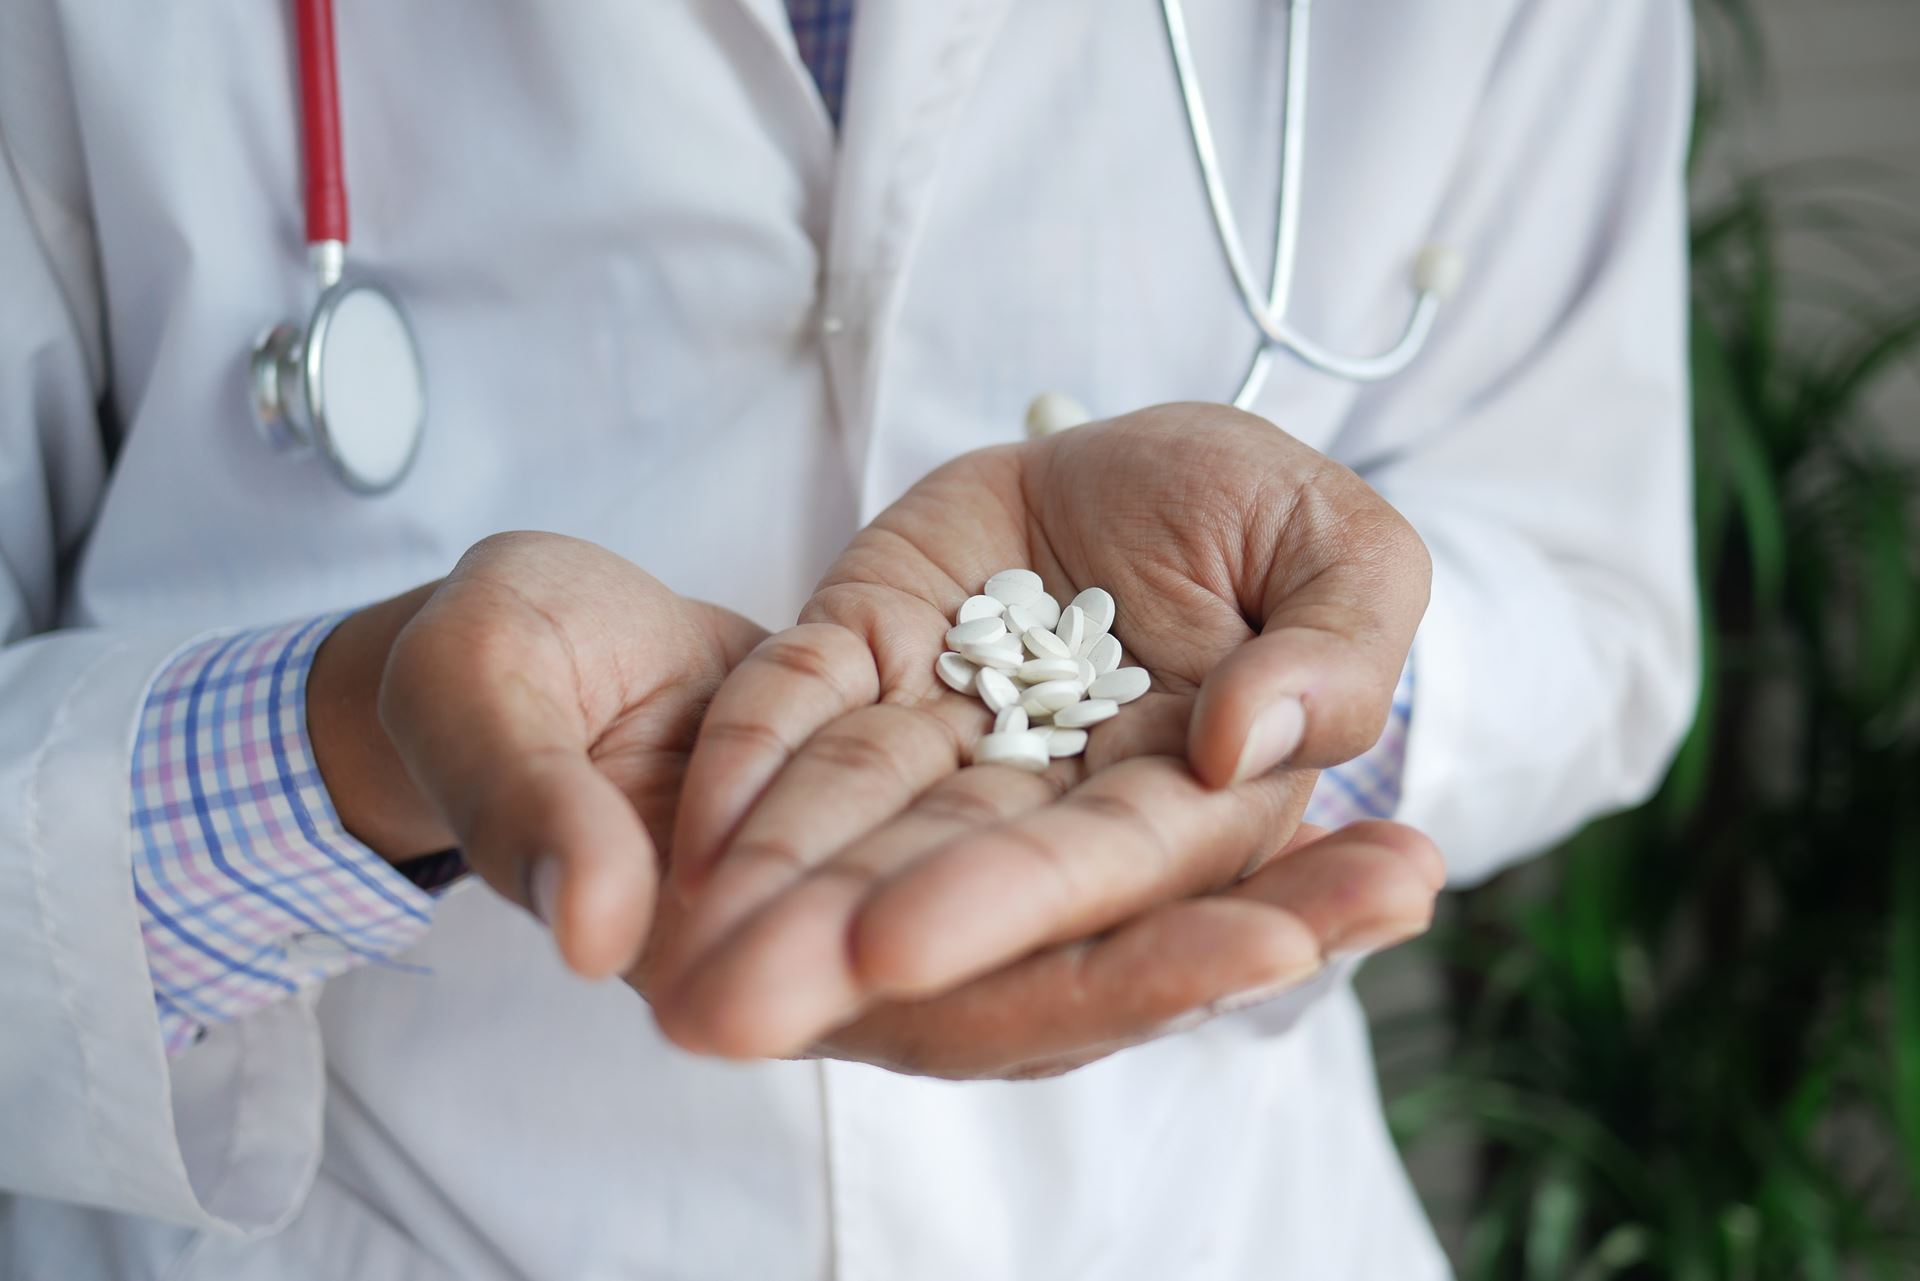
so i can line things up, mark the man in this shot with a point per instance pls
(675, 312)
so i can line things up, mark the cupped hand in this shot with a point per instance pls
(540, 704)
(839, 853)
(1354, 891)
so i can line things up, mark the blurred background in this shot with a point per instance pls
(1686, 1045)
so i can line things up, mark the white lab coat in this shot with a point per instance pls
(658, 311)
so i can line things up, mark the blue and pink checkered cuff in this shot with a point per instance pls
(249, 888)
(1368, 786)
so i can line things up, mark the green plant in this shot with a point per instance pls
(1687, 1045)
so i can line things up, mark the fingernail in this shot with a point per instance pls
(1369, 939)
(545, 887)
(1272, 737)
(1261, 995)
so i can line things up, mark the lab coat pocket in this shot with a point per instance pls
(335, 1235)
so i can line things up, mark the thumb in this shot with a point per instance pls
(505, 760)
(560, 839)
(1314, 688)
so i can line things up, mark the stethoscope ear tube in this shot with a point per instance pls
(320, 122)
(1435, 272)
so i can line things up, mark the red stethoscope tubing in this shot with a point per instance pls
(320, 122)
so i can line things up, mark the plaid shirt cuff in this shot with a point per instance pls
(1368, 786)
(249, 888)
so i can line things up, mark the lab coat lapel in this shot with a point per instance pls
(911, 68)
(771, 17)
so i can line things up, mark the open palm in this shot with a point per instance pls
(839, 854)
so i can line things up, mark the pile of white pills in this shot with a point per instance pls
(1046, 673)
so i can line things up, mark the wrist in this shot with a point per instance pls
(377, 800)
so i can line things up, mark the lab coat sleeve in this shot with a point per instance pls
(1541, 448)
(89, 1111)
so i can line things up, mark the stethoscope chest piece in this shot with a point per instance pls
(349, 387)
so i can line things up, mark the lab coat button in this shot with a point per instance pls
(832, 326)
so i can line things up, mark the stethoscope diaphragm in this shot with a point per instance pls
(348, 387)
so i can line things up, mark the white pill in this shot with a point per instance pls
(979, 607)
(1011, 720)
(1122, 684)
(1051, 696)
(1039, 670)
(1015, 586)
(1066, 742)
(1042, 643)
(1004, 654)
(1091, 712)
(961, 635)
(1072, 629)
(1086, 673)
(1021, 619)
(956, 671)
(1026, 750)
(1045, 610)
(997, 690)
(1104, 654)
(1098, 607)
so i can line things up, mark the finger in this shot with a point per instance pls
(1133, 835)
(877, 788)
(850, 777)
(1365, 887)
(504, 759)
(1081, 1000)
(1359, 889)
(791, 685)
(1313, 689)
(784, 971)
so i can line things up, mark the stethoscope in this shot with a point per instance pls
(349, 384)
(1436, 269)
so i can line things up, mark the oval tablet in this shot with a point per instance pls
(1014, 586)
(1021, 619)
(1045, 610)
(996, 690)
(1066, 742)
(1038, 670)
(1026, 750)
(1011, 720)
(1091, 712)
(1072, 629)
(1087, 674)
(1104, 654)
(1004, 654)
(979, 607)
(971, 632)
(1042, 643)
(1098, 607)
(1051, 696)
(956, 671)
(1122, 684)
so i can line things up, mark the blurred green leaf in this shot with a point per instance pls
(1761, 518)
(1552, 1228)
(1622, 1248)
(1904, 968)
